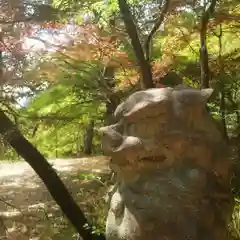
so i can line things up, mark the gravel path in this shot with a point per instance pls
(25, 201)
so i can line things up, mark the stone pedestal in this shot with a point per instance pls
(173, 174)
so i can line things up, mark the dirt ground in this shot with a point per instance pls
(27, 211)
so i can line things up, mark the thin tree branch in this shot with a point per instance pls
(155, 28)
(188, 42)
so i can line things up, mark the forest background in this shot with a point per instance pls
(65, 65)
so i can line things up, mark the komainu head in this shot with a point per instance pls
(164, 123)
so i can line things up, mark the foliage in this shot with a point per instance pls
(60, 118)
(68, 87)
(235, 224)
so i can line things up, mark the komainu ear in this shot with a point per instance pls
(206, 93)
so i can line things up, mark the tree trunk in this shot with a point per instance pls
(131, 29)
(112, 99)
(238, 134)
(205, 74)
(50, 178)
(223, 115)
(3, 229)
(88, 138)
(222, 84)
(204, 60)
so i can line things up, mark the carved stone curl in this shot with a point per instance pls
(173, 174)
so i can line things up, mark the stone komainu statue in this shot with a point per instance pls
(173, 174)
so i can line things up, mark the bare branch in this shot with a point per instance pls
(188, 42)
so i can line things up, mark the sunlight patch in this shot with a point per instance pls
(37, 206)
(20, 183)
(10, 213)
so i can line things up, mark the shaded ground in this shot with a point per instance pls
(27, 211)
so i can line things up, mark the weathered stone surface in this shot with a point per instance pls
(173, 174)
